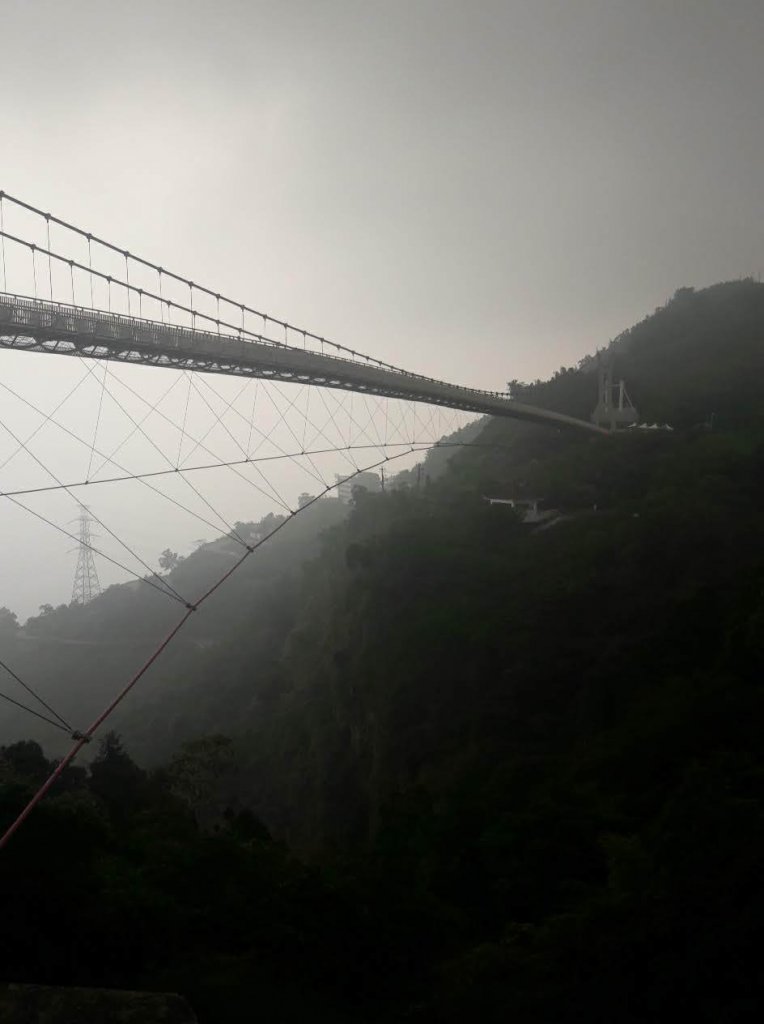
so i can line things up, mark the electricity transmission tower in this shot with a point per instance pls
(86, 583)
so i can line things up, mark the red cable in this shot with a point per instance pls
(86, 736)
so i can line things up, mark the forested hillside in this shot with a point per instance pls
(523, 764)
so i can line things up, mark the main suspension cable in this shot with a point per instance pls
(191, 285)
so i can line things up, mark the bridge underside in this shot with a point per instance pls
(31, 325)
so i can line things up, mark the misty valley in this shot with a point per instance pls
(474, 740)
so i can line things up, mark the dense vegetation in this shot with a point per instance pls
(427, 763)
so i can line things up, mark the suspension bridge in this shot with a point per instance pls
(315, 406)
(39, 325)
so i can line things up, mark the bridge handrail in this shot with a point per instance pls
(103, 316)
(267, 318)
(24, 317)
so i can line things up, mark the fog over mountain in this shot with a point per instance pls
(385, 712)
(479, 192)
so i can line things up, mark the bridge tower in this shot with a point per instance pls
(86, 583)
(614, 407)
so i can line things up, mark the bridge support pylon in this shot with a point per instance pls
(614, 408)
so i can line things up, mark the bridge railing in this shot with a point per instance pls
(175, 334)
(52, 325)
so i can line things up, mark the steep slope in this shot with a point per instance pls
(429, 625)
(531, 755)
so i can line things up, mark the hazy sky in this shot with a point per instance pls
(477, 190)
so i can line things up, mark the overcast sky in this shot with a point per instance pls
(477, 190)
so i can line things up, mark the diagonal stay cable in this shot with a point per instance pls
(292, 456)
(417, 421)
(102, 554)
(252, 416)
(393, 428)
(305, 417)
(185, 417)
(199, 444)
(271, 494)
(279, 499)
(36, 696)
(333, 420)
(44, 718)
(139, 428)
(352, 421)
(291, 404)
(264, 438)
(38, 428)
(152, 409)
(370, 422)
(321, 431)
(433, 411)
(317, 476)
(339, 404)
(171, 591)
(76, 437)
(209, 430)
(169, 462)
(98, 415)
(373, 413)
(86, 736)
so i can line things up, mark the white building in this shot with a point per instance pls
(369, 481)
(527, 508)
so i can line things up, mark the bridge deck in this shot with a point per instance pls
(33, 325)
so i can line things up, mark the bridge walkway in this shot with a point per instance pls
(35, 325)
